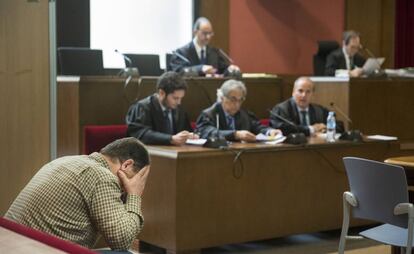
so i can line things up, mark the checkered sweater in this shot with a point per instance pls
(76, 198)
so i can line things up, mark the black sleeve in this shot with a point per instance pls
(206, 127)
(286, 128)
(331, 65)
(140, 126)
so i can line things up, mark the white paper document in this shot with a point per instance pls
(382, 137)
(197, 142)
(270, 139)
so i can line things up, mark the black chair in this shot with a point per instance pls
(167, 61)
(80, 61)
(148, 65)
(319, 59)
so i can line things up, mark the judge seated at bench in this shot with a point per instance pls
(346, 59)
(158, 119)
(235, 123)
(301, 115)
(199, 57)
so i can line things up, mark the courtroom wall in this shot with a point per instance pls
(279, 36)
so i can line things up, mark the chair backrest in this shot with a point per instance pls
(148, 65)
(319, 59)
(378, 188)
(167, 61)
(98, 136)
(80, 61)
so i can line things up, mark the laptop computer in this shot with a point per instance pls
(148, 65)
(80, 61)
(372, 64)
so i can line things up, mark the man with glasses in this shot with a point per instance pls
(158, 118)
(347, 57)
(235, 123)
(308, 118)
(197, 57)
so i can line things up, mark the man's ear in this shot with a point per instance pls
(161, 93)
(126, 164)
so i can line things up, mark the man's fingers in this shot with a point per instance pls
(122, 176)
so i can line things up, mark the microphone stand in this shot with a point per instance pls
(216, 141)
(296, 138)
(351, 135)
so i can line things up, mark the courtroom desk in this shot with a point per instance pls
(11, 242)
(104, 100)
(376, 106)
(198, 197)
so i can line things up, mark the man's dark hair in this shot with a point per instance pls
(348, 35)
(171, 81)
(128, 148)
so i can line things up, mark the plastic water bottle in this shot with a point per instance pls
(330, 127)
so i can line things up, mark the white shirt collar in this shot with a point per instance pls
(198, 48)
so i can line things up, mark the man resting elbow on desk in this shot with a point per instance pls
(78, 197)
(305, 117)
(158, 119)
(235, 123)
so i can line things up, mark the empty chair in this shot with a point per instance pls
(80, 61)
(378, 192)
(319, 59)
(148, 65)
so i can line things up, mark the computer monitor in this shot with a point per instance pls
(148, 65)
(80, 61)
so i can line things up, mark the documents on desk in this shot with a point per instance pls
(197, 142)
(271, 140)
(382, 137)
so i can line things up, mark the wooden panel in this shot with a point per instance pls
(383, 106)
(375, 21)
(24, 107)
(217, 11)
(197, 197)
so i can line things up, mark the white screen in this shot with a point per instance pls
(140, 27)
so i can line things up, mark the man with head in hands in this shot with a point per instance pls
(198, 57)
(235, 123)
(303, 116)
(158, 118)
(78, 198)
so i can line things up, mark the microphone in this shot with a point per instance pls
(185, 59)
(351, 135)
(216, 141)
(293, 138)
(126, 58)
(233, 73)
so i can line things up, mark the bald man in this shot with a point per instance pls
(309, 118)
(198, 57)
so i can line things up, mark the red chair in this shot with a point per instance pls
(264, 121)
(50, 240)
(98, 136)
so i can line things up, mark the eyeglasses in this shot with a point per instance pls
(233, 99)
(205, 33)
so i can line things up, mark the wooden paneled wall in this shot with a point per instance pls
(24, 91)
(217, 11)
(375, 20)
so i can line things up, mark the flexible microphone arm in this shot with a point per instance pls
(127, 59)
(229, 60)
(181, 57)
(342, 113)
(284, 120)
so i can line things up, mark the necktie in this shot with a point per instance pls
(230, 122)
(203, 57)
(351, 63)
(303, 115)
(167, 120)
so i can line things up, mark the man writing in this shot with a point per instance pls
(235, 123)
(158, 119)
(77, 197)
